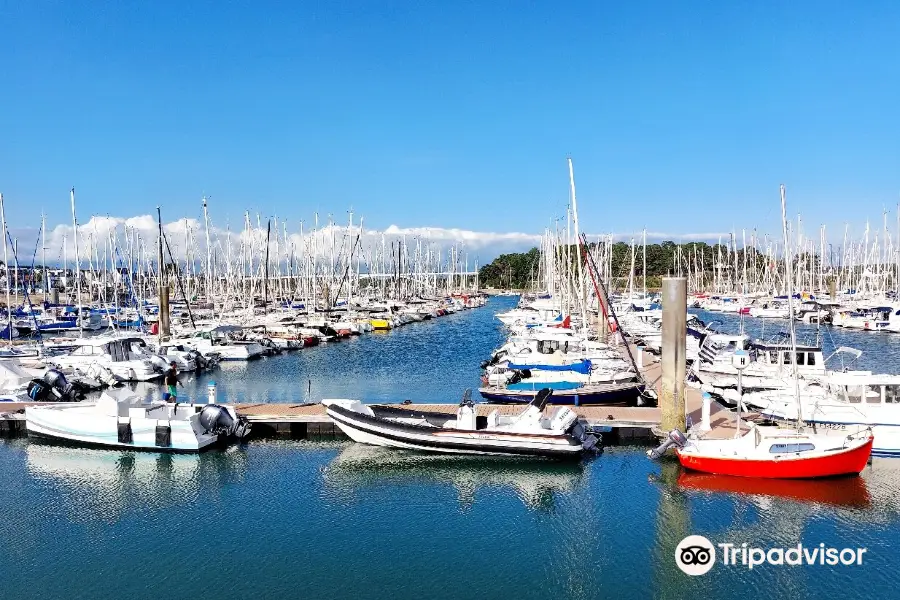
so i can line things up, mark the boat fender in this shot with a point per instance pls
(163, 436)
(124, 432)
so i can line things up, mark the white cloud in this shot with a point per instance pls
(138, 235)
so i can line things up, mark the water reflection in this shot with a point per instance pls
(842, 512)
(873, 496)
(846, 491)
(105, 484)
(535, 482)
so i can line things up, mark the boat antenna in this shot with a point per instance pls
(789, 283)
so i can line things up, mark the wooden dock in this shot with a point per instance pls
(619, 423)
(309, 420)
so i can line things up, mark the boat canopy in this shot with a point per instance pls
(579, 366)
(537, 385)
(848, 350)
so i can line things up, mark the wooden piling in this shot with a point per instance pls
(164, 314)
(674, 342)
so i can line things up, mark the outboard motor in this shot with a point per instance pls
(216, 419)
(159, 363)
(493, 360)
(590, 440)
(59, 385)
(198, 359)
(38, 390)
(52, 387)
(675, 438)
(102, 374)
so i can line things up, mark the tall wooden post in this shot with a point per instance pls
(674, 341)
(164, 314)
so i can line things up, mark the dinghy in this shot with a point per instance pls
(129, 422)
(529, 433)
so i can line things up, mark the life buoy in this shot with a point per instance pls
(612, 325)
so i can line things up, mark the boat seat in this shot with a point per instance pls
(493, 419)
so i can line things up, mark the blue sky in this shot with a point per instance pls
(681, 117)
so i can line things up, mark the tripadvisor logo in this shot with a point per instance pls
(696, 555)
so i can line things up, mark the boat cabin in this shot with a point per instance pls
(870, 394)
(865, 388)
(119, 350)
(782, 356)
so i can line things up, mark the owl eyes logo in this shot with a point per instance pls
(695, 555)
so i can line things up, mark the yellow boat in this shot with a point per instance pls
(380, 324)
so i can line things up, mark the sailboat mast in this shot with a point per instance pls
(645, 263)
(209, 280)
(77, 262)
(44, 254)
(6, 268)
(579, 272)
(789, 283)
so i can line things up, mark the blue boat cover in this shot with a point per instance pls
(524, 386)
(580, 366)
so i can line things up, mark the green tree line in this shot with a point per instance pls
(517, 270)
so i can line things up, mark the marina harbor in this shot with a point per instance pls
(404, 300)
(362, 372)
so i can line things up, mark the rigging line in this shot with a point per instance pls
(37, 328)
(178, 278)
(612, 312)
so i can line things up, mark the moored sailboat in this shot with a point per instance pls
(776, 452)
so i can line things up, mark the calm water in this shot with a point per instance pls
(431, 361)
(300, 519)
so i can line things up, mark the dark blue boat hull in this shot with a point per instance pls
(628, 393)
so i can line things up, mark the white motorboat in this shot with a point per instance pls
(529, 433)
(129, 421)
(775, 309)
(843, 402)
(186, 359)
(722, 304)
(114, 355)
(542, 310)
(220, 340)
(770, 363)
